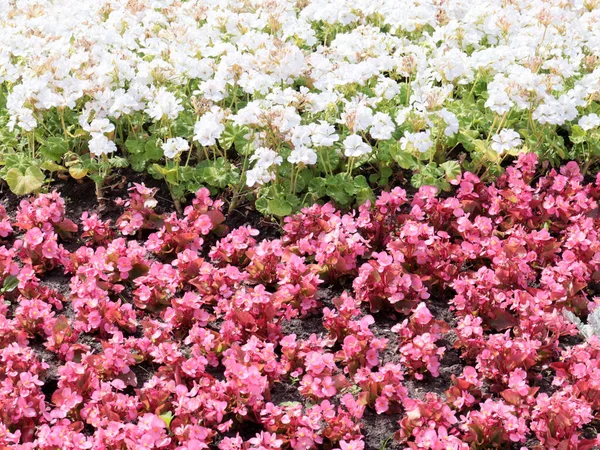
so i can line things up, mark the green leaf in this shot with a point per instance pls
(385, 173)
(279, 207)
(578, 134)
(167, 418)
(51, 166)
(219, 174)
(235, 136)
(18, 161)
(337, 189)
(10, 283)
(137, 161)
(405, 159)
(25, 183)
(363, 190)
(317, 186)
(134, 145)
(451, 169)
(262, 205)
(480, 145)
(54, 148)
(153, 151)
(169, 174)
(289, 404)
(184, 124)
(118, 162)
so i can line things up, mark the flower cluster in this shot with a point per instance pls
(293, 101)
(168, 332)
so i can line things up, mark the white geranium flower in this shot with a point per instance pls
(209, 128)
(301, 136)
(262, 173)
(174, 146)
(507, 139)
(304, 155)
(421, 141)
(258, 175)
(164, 105)
(354, 146)
(323, 135)
(266, 157)
(101, 145)
(215, 90)
(589, 122)
(99, 126)
(451, 122)
(498, 100)
(382, 127)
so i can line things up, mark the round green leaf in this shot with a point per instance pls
(279, 208)
(22, 184)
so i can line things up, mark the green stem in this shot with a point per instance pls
(187, 161)
(292, 179)
(474, 84)
(491, 129)
(588, 162)
(239, 186)
(351, 165)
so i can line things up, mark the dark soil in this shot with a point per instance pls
(379, 430)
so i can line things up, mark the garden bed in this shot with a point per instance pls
(299, 225)
(415, 322)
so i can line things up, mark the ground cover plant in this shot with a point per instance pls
(421, 321)
(290, 102)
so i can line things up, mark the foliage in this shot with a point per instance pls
(176, 334)
(290, 103)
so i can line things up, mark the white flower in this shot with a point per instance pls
(125, 103)
(175, 146)
(387, 88)
(451, 122)
(164, 104)
(258, 175)
(323, 135)
(99, 126)
(421, 141)
(214, 90)
(382, 127)
(285, 119)
(507, 139)
(590, 121)
(101, 145)
(303, 155)
(301, 136)
(498, 100)
(363, 119)
(402, 115)
(357, 117)
(209, 128)
(354, 146)
(266, 157)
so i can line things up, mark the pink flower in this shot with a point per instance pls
(355, 444)
(422, 315)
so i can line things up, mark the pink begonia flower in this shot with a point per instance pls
(352, 445)
(422, 315)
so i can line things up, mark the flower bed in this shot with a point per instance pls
(441, 317)
(287, 102)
